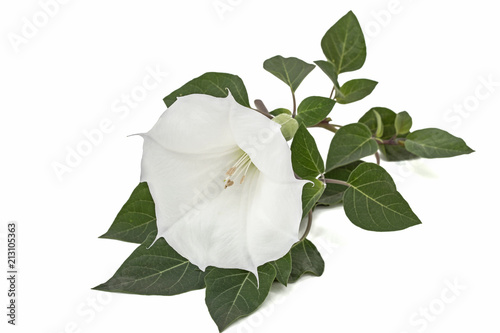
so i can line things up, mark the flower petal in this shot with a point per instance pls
(262, 140)
(243, 227)
(195, 124)
(181, 182)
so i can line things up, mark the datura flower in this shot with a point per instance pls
(221, 177)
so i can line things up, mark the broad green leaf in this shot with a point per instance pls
(344, 44)
(289, 70)
(314, 109)
(334, 192)
(137, 218)
(306, 159)
(283, 267)
(310, 195)
(305, 259)
(435, 143)
(402, 123)
(155, 270)
(213, 84)
(351, 143)
(329, 69)
(395, 153)
(279, 111)
(373, 203)
(235, 293)
(355, 90)
(387, 116)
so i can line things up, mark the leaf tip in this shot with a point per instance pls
(104, 236)
(100, 287)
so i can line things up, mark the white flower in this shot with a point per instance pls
(221, 177)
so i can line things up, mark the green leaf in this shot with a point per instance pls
(155, 270)
(344, 44)
(213, 84)
(279, 111)
(334, 192)
(373, 203)
(387, 116)
(292, 71)
(402, 123)
(311, 194)
(329, 69)
(306, 159)
(137, 218)
(283, 267)
(305, 259)
(435, 143)
(355, 90)
(314, 109)
(393, 153)
(351, 143)
(234, 293)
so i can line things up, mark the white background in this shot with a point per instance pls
(71, 73)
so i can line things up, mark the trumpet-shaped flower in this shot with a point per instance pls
(221, 177)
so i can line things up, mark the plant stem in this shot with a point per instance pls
(294, 111)
(326, 125)
(310, 215)
(308, 227)
(336, 181)
(377, 157)
(333, 90)
(391, 142)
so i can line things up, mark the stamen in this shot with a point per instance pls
(231, 171)
(240, 167)
(245, 173)
(242, 159)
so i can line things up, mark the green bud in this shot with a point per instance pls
(380, 125)
(288, 125)
(280, 111)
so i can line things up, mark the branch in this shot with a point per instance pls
(333, 90)
(391, 142)
(326, 125)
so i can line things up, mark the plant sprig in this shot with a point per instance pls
(366, 191)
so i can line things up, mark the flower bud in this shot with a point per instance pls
(288, 125)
